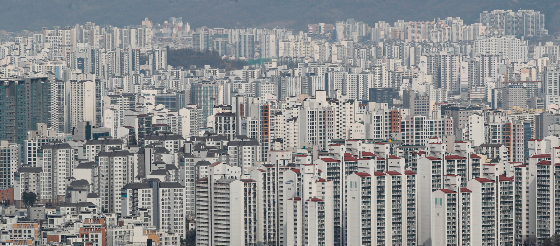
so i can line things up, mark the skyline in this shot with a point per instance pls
(420, 133)
(294, 14)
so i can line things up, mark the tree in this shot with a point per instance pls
(29, 198)
(530, 241)
(554, 240)
(190, 238)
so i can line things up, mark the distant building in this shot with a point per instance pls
(206, 95)
(9, 163)
(514, 96)
(24, 103)
(383, 95)
(527, 23)
(226, 212)
(173, 102)
(58, 163)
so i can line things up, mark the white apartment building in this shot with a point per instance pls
(451, 220)
(381, 208)
(416, 130)
(82, 102)
(457, 165)
(321, 119)
(509, 47)
(319, 219)
(523, 211)
(189, 121)
(27, 179)
(483, 206)
(403, 225)
(505, 194)
(245, 154)
(552, 85)
(58, 163)
(335, 172)
(294, 222)
(546, 195)
(286, 128)
(493, 203)
(94, 147)
(270, 202)
(169, 199)
(129, 235)
(225, 212)
(309, 187)
(116, 169)
(359, 209)
(511, 135)
(33, 143)
(137, 198)
(430, 178)
(312, 222)
(9, 161)
(173, 143)
(474, 130)
(187, 178)
(59, 109)
(377, 122)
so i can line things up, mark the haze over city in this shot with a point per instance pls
(245, 122)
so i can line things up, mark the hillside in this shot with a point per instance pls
(33, 15)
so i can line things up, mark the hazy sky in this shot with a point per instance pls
(33, 15)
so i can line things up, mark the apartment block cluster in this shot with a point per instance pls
(416, 133)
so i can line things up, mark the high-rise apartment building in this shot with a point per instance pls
(9, 163)
(527, 23)
(168, 199)
(82, 103)
(384, 207)
(206, 95)
(201, 41)
(24, 103)
(451, 221)
(514, 96)
(59, 115)
(58, 164)
(508, 47)
(27, 179)
(116, 169)
(383, 95)
(551, 88)
(245, 154)
(270, 195)
(226, 212)
(416, 130)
